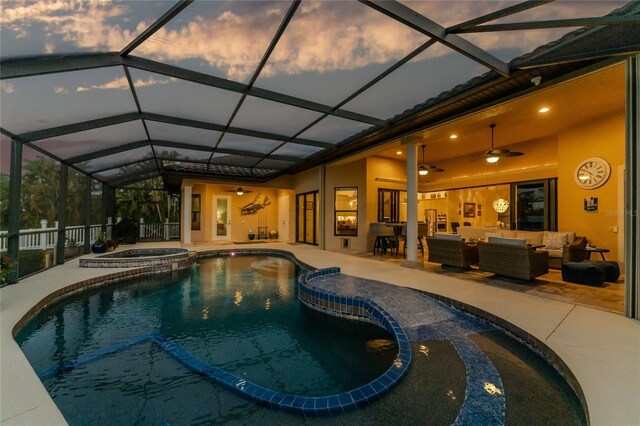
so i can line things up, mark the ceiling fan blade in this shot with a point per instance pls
(437, 169)
(497, 152)
(513, 154)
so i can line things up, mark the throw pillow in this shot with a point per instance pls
(555, 240)
(509, 241)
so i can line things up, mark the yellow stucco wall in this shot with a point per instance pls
(603, 138)
(340, 176)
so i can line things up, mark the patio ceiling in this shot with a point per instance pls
(251, 90)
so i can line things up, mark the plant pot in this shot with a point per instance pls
(251, 236)
(99, 248)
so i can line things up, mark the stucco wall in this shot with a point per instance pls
(603, 138)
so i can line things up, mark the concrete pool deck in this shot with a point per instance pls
(602, 349)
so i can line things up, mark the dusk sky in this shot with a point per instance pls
(329, 50)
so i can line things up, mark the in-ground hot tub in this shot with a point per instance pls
(135, 258)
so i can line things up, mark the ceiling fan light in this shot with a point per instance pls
(239, 191)
(492, 159)
(422, 170)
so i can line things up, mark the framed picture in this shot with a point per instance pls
(469, 210)
(591, 204)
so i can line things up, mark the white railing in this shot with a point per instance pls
(164, 231)
(46, 237)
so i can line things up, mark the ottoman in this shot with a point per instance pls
(585, 272)
(611, 269)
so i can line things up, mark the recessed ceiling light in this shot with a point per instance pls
(454, 136)
(544, 109)
(399, 152)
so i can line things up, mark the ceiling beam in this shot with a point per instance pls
(235, 130)
(413, 19)
(118, 166)
(177, 8)
(79, 127)
(38, 65)
(556, 23)
(507, 11)
(221, 83)
(172, 144)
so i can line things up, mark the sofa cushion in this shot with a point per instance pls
(555, 240)
(454, 237)
(493, 234)
(509, 233)
(510, 241)
(531, 237)
(556, 254)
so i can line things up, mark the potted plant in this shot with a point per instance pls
(112, 245)
(100, 245)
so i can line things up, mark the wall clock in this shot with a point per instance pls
(592, 173)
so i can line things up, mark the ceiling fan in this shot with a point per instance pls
(239, 191)
(424, 169)
(493, 155)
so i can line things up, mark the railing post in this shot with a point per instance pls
(141, 227)
(43, 235)
(166, 229)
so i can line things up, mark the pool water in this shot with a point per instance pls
(237, 313)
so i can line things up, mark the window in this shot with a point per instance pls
(195, 212)
(392, 205)
(346, 211)
(535, 205)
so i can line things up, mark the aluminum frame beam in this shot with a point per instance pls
(507, 11)
(556, 23)
(418, 22)
(52, 132)
(62, 214)
(632, 190)
(87, 214)
(13, 225)
(177, 8)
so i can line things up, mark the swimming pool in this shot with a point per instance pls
(142, 382)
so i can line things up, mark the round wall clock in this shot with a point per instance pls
(592, 173)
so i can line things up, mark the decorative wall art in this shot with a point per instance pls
(469, 210)
(591, 204)
(255, 206)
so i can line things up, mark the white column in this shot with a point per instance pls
(166, 229)
(412, 200)
(186, 214)
(142, 228)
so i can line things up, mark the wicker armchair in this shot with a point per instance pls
(452, 252)
(521, 262)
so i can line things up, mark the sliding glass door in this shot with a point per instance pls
(308, 217)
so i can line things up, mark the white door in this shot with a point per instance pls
(222, 217)
(283, 218)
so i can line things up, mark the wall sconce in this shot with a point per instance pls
(501, 205)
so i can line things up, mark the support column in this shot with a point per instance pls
(62, 214)
(15, 179)
(87, 215)
(632, 190)
(186, 214)
(411, 149)
(105, 207)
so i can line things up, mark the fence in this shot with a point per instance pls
(46, 238)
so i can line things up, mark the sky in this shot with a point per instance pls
(329, 50)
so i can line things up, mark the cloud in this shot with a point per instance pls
(122, 83)
(323, 36)
(6, 87)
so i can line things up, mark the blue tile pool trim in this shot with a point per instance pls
(161, 256)
(359, 309)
